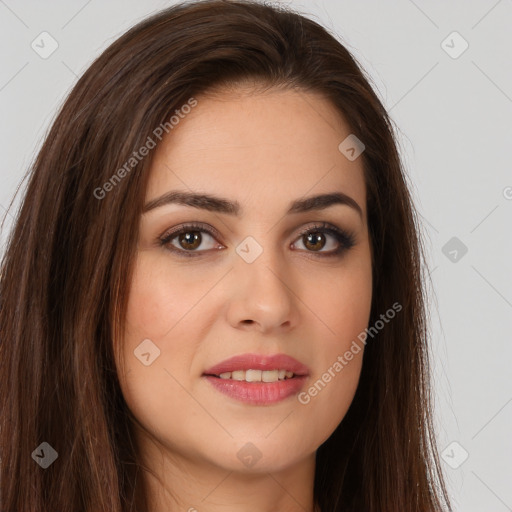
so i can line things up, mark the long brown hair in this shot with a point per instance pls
(66, 271)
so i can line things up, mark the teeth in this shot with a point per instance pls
(257, 375)
(253, 375)
(270, 376)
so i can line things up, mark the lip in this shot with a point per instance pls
(258, 393)
(259, 362)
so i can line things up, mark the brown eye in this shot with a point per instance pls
(326, 240)
(314, 241)
(197, 239)
(190, 240)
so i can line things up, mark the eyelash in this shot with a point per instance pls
(345, 239)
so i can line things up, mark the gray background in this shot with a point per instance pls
(454, 117)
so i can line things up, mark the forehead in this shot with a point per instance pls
(258, 147)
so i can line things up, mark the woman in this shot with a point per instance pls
(212, 297)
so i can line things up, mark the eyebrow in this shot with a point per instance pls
(221, 205)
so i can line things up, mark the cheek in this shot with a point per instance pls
(161, 309)
(342, 309)
(154, 305)
(164, 307)
(158, 312)
(341, 302)
(162, 298)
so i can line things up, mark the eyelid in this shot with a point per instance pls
(191, 226)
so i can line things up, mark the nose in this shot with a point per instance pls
(264, 294)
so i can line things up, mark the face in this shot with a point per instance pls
(256, 273)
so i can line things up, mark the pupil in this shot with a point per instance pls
(315, 238)
(192, 239)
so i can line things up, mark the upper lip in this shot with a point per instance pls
(259, 362)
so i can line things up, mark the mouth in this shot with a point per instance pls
(258, 379)
(252, 375)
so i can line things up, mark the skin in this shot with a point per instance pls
(263, 149)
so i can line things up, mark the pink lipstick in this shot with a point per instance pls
(258, 379)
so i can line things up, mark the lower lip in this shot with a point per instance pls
(258, 393)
